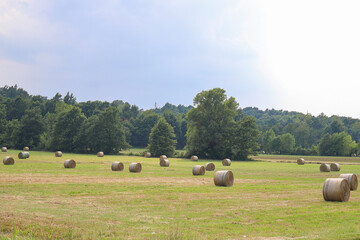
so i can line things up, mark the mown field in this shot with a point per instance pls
(270, 199)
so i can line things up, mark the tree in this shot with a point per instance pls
(30, 128)
(162, 139)
(69, 99)
(287, 143)
(107, 134)
(142, 128)
(67, 127)
(268, 137)
(213, 131)
(337, 144)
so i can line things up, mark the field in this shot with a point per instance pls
(271, 199)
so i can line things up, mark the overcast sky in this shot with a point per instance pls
(292, 55)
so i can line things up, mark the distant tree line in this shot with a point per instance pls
(284, 132)
(61, 123)
(215, 127)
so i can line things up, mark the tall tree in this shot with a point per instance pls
(107, 134)
(66, 129)
(212, 126)
(162, 139)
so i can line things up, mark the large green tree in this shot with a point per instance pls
(162, 139)
(107, 132)
(212, 129)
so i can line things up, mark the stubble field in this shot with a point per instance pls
(271, 199)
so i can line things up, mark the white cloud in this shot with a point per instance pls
(311, 54)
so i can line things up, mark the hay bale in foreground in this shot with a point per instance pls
(135, 167)
(324, 167)
(301, 161)
(209, 166)
(198, 170)
(69, 163)
(226, 162)
(164, 163)
(8, 160)
(352, 180)
(162, 157)
(58, 154)
(335, 167)
(4, 149)
(100, 154)
(194, 158)
(336, 189)
(224, 178)
(23, 155)
(117, 166)
(147, 154)
(26, 149)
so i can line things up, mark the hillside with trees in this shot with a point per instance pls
(214, 127)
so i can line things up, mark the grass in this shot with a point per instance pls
(43, 200)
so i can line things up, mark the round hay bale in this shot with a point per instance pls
(353, 155)
(26, 149)
(162, 157)
(336, 189)
(4, 149)
(8, 160)
(224, 178)
(164, 163)
(135, 167)
(23, 155)
(147, 154)
(335, 167)
(209, 166)
(301, 161)
(58, 154)
(117, 166)
(194, 158)
(198, 170)
(100, 154)
(69, 163)
(352, 180)
(226, 162)
(324, 167)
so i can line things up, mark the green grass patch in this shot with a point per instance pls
(43, 200)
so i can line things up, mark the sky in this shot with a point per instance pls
(295, 55)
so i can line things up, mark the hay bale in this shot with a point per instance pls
(198, 170)
(226, 162)
(209, 166)
(164, 163)
(301, 161)
(117, 166)
(58, 154)
(23, 155)
(26, 149)
(162, 157)
(194, 158)
(135, 167)
(353, 155)
(335, 167)
(352, 180)
(8, 160)
(336, 189)
(224, 178)
(147, 154)
(69, 163)
(4, 149)
(324, 167)
(100, 154)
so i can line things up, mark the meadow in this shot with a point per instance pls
(272, 198)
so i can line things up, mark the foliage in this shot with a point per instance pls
(162, 139)
(212, 130)
(337, 144)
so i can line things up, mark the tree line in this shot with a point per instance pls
(284, 132)
(214, 127)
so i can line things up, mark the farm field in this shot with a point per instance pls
(270, 199)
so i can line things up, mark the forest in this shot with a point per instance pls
(63, 123)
